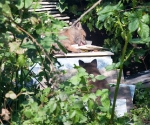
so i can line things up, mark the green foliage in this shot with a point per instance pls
(71, 104)
(26, 38)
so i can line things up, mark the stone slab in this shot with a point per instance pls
(123, 93)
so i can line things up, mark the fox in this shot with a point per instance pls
(75, 35)
(91, 68)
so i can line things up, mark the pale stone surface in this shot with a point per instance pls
(68, 63)
(123, 93)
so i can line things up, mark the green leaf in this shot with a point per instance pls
(46, 91)
(72, 113)
(28, 113)
(85, 98)
(62, 1)
(92, 96)
(83, 119)
(104, 98)
(140, 41)
(20, 4)
(68, 123)
(77, 105)
(90, 104)
(62, 37)
(62, 7)
(133, 25)
(100, 77)
(75, 80)
(145, 19)
(21, 60)
(98, 93)
(113, 66)
(28, 45)
(61, 47)
(6, 9)
(143, 30)
(108, 10)
(28, 3)
(63, 96)
(52, 105)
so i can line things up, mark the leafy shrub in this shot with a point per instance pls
(72, 103)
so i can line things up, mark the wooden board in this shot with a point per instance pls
(88, 47)
(86, 54)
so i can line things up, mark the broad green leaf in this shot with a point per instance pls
(92, 96)
(63, 96)
(108, 10)
(6, 9)
(61, 47)
(143, 30)
(68, 123)
(21, 60)
(28, 45)
(85, 98)
(20, 4)
(83, 119)
(77, 105)
(140, 41)
(98, 93)
(75, 80)
(62, 37)
(145, 19)
(76, 119)
(34, 106)
(100, 77)
(72, 113)
(104, 98)
(134, 24)
(113, 66)
(62, 7)
(46, 91)
(52, 105)
(28, 3)
(62, 1)
(90, 104)
(28, 113)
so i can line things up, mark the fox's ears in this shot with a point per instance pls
(94, 62)
(78, 25)
(81, 63)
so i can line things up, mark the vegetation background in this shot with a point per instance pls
(26, 38)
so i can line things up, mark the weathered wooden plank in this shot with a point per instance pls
(49, 6)
(42, 9)
(59, 15)
(63, 18)
(86, 54)
(45, 3)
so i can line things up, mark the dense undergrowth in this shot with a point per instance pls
(26, 36)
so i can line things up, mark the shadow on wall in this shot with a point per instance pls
(97, 37)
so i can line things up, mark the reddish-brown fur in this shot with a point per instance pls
(91, 68)
(75, 35)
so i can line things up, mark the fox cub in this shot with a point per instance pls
(91, 68)
(75, 35)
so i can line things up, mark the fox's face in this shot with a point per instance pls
(79, 34)
(91, 67)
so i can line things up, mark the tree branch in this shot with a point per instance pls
(94, 5)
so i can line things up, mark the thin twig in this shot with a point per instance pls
(94, 5)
